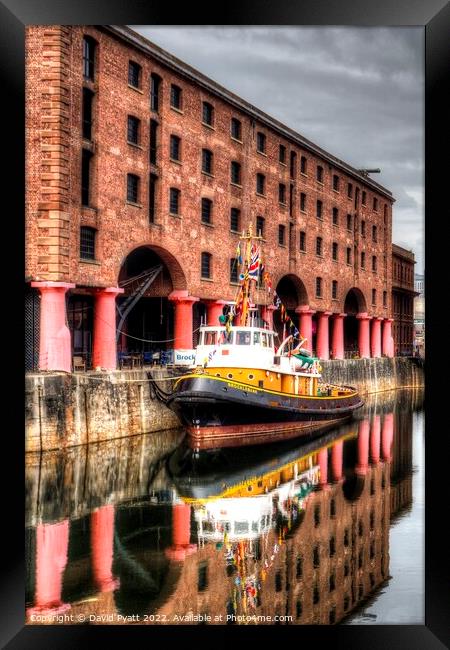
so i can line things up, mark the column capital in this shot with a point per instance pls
(378, 318)
(109, 290)
(388, 320)
(363, 316)
(52, 285)
(209, 301)
(304, 309)
(324, 313)
(182, 296)
(334, 315)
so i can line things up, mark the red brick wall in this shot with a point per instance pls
(54, 212)
(403, 300)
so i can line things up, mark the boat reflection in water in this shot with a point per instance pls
(147, 531)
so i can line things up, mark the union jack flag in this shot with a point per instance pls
(253, 268)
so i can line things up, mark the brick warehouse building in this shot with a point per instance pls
(403, 295)
(140, 167)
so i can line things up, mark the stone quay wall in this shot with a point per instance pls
(64, 409)
(375, 375)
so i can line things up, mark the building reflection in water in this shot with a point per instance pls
(142, 527)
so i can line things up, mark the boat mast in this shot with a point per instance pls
(244, 293)
(246, 284)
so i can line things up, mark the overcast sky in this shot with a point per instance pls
(356, 92)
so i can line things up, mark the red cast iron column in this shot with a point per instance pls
(214, 310)
(104, 354)
(375, 338)
(388, 343)
(54, 343)
(305, 324)
(364, 335)
(267, 314)
(183, 320)
(323, 344)
(337, 337)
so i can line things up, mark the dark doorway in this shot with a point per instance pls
(148, 326)
(292, 293)
(80, 312)
(354, 304)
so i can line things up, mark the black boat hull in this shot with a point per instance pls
(220, 413)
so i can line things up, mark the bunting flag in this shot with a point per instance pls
(267, 281)
(256, 270)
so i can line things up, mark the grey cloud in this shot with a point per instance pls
(356, 92)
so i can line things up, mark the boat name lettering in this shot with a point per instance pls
(233, 384)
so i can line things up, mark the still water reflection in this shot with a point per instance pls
(140, 531)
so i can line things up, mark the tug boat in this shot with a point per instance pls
(242, 390)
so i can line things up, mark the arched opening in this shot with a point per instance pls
(147, 577)
(145, 315)
(354, 304)
(292, 293)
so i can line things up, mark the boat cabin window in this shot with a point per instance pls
(256, 338)
(210, 338)
(242, 338)
(265, 521)
(225, 337)
(265, 339)
(240, 527)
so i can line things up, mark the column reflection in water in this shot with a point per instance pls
(299, 530)
(102, 540)
(51, 558)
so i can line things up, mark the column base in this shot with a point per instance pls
(326, 487)
(48, 610)
(109, 585)
(181, 553)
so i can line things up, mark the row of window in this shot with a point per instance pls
(208, 118)
(335, 250)
(235, 175)
(133, 136)
(133, 196)
(87, 252)
(402, 272)
(206, 217)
